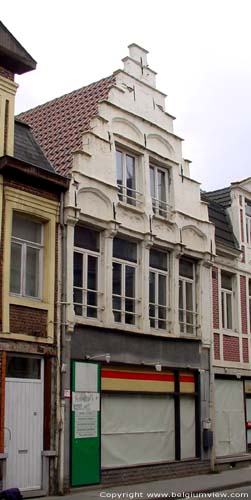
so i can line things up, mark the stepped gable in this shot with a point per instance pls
(58, 125)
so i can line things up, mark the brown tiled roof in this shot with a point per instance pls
(58, 125)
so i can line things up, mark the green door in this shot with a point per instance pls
(85, 437)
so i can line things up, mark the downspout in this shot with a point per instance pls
(62, 355)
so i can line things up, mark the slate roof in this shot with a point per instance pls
(58, 125)
(12, 55)
(26, 148)
(222, 196)
(218, 215)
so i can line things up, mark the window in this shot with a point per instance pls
(187, 312)
(158, 184)
(86, 272)
(126, 178)
(26, 256)
(124, 281)
(248, 220)
(158, 282)
(227, 301)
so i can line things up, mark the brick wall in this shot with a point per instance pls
(216, 346)
(231, 349)
(28, 321)
(215, 275)
(31, 189)
(6, 73)
(243, 296)
(245, 350)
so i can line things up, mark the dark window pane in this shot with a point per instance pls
(116, 279)
(15, 276)
(229, 311)
(161, 186)
(116, 305)
(162, 316)
(152, 288)
(162, 290)
(226, 281)
(129, 307)
(186, 268)
(152, 182)
(158, 259)
(129, 281)
(130, 179)
(119, 161)
(78, 269)
(124, 249)
(189, 296)
(78, 299)
(92, 301)
(152, 313)
(21, 367)
(248, 209)
(92, 275)
(222, 310)
(86, 238)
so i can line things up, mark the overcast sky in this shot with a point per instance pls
(199, 48)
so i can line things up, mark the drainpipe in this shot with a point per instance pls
(62, 350)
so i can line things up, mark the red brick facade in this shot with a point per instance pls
(231, 349)
(216, 346)
(243, 296)
(28, 321)
(215, 280)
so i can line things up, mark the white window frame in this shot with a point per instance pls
(225, 292)
(159, 207)
(248, 223)
(136, 198)
(24, 245)
(183, 280)
(123, 297)
(85, 253)
(156, 305)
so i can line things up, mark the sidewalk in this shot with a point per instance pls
(234, 478)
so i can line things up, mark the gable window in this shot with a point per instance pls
(158, 282)
(158, 184)
(227, 300)
(26, 256)
(187, 307)
(126, 177)
(124, 281)
(86, 272)
(248, 221)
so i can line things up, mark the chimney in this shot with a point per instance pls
(13, 59)
(136, 65)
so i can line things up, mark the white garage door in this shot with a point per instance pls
(229, 417)
(136, 429)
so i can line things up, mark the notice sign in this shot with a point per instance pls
(86, 424)
(85, 401)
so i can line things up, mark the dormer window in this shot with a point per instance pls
(127, 164)
(159, 190)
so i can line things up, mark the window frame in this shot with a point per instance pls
(85, 253)
(183, 311)
(136, 197)
(126, 263)
(159, 272)
(157, 203)
(225, 293)
(24, 244)
(248, 222)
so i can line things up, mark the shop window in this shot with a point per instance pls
(159, 190)
(86, 290)
(26, 256)
(124, 281)
(187, 306)
(158, 289)
(248, 220)
(127, 178)
(227, 300)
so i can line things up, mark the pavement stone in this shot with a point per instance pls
(204, 483)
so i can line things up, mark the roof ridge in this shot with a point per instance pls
(64, 95)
